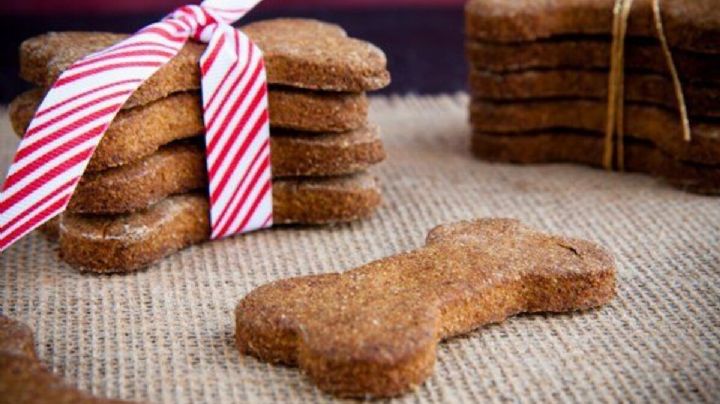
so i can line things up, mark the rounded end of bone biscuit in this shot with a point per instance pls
(317, 55)
(16, 338)
(266, 319)
(327, 201)
(565, 273)
(22, 108)
(44, 57)
(370, 378)
(326, 155)
(288, 322)
(466, 229)
(126, 243)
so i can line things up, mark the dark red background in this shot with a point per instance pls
(423, 39)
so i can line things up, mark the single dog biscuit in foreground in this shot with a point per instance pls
(138, 132)
(24, 379)
(125, 243)
(688, 24)
(180, 167)
(642, 121)
(373, 331)
(301, 53)
(566, 146)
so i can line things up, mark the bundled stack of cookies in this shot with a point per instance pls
(540, 77)
(144, 193)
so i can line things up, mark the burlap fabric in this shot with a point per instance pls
(166, 334)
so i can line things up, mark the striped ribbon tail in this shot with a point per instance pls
(82, 103)
(69, 124)
(237, 134)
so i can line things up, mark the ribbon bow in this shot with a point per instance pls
(82, 103)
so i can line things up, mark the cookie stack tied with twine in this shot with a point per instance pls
(144, 193)
(627, 85)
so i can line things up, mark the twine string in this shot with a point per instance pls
(616, 96)
(679, 95)
(614, 126)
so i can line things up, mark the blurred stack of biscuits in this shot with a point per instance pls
(539, 80)
(144, 193)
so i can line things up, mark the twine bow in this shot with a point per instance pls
(82, 103)
(615, 119)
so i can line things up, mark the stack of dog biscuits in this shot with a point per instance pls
(144, 193)
(539, 79)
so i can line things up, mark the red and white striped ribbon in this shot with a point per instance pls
(82, 103)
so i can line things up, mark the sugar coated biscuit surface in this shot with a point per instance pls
(317, 55)
(701, 100)
(373, 331)
(125, 243)
(316, 111)
(134, 133)
(590, 52)
(688, 24)
(174, 169)
(180, 167)
(298, 52)
(308, 154)
(652, 124)
(138, 132)
(43, 58)
(566, 146)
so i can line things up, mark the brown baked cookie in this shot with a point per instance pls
(316, 55)
(24, 379)
(138, 132)
(125, 243)
(316, 111)
(299, 53)
(174, 169)
(653, 124)
(296, 154)
(43, 58)
(581, 148)
(134, 133)
(688, 24)
(179, 168)
(50, 229)
(373, 331)
(589, 53)
(290, 108)
(701, 100)
(22, 108)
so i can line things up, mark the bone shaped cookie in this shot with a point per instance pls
(373, 331)
(23, 379)
(298, 52)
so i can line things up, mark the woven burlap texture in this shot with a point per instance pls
(166, 334)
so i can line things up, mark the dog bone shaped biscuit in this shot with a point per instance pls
(301, 53)
(691, 25)
(373, 331)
